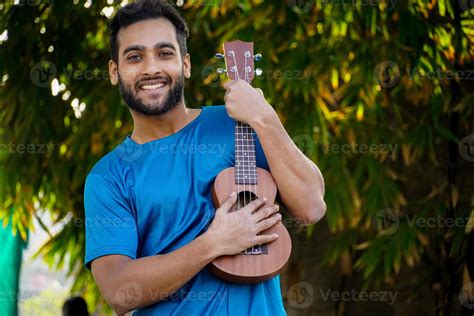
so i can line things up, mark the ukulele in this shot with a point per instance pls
(260, 262)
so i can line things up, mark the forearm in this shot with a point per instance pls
(299, 180)
(147, 280)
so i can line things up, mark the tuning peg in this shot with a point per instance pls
(258, 72)
(221, 70)
(257, 57)
(219, 55)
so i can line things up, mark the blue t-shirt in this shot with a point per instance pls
(153, 198)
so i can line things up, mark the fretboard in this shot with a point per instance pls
(245, 164)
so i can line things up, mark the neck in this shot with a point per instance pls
(147, 128)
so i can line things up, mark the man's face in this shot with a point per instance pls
(150, 70)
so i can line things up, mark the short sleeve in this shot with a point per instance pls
(109, 222)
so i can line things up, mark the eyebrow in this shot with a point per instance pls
(142, 48)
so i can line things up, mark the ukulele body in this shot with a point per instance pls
(256, 265)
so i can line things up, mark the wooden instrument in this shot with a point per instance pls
(261, 262)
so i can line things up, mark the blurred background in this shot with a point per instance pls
(378, 93)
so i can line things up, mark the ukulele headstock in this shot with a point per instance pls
(239, 60)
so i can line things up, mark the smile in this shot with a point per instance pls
(152, 86)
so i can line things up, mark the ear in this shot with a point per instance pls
(113, 72)
(187, 66)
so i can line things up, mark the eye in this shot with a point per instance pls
(166, 53)
(133, 57)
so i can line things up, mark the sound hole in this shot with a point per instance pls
(244, 198)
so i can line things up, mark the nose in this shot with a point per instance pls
(151, 67)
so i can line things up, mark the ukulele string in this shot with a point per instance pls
(237, 170)
(250, 141)
(241, 131)
(236, 70)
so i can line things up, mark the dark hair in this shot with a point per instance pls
(144, 10)
(75, 306)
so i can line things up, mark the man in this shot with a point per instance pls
(151, 225)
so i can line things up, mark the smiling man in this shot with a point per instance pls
(151, 227)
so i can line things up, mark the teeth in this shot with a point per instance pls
(152, 86)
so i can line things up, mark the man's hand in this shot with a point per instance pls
(245, 103)
(232, 232)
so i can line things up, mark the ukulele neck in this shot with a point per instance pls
(245, 163)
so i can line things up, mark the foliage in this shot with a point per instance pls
(342, 75)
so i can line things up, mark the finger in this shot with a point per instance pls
(263, 239)
(229, 202)
(254, 205)
(226, 93)
(227, 84)
(265, 212)
(260, 90)
(268, 222)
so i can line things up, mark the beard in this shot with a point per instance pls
(169, 102)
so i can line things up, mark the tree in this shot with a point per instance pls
(377, 93)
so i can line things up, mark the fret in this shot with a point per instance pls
(256, 250)
(245, 160)
(245, 182)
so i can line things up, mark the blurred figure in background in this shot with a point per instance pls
(75, 306)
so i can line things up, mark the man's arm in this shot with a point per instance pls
(128, 284)
(300, 183)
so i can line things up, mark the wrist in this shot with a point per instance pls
(209, 246)
(263, 119)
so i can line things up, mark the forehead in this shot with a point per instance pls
(147, 33)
